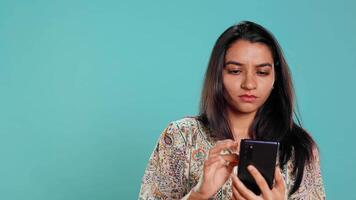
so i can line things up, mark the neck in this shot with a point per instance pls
(240, 123)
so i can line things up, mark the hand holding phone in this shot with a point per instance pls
(262, 155)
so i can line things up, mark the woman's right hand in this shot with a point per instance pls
(217, 168)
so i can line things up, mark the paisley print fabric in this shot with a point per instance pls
(176, 164)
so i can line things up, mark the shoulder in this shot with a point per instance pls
(310, 163)
(186, 124)
(310, 160)
(312, 182)
(315, 154)
(180, 131)
(314, 162)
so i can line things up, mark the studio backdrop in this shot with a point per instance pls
(87, 87)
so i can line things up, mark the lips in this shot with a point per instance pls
(247, 98)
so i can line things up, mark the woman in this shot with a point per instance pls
(247, 93)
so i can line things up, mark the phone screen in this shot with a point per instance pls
(260, 154)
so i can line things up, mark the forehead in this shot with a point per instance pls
(245, 51)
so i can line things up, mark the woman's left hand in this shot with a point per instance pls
(278, 192)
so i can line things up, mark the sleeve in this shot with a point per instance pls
(312, 186)
(164, 177)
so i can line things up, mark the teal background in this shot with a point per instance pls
(86, 87)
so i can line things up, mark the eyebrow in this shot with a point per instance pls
(240, 64)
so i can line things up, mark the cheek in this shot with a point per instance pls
(265, 86)
(267, 83)
(230, 90)
(226, 85)
(231, 84)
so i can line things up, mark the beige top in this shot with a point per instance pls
(177, 161)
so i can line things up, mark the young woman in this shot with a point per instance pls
(247, 93)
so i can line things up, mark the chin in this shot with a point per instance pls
(244, 110)
(247, 111)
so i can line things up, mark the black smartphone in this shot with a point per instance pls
(260, 154)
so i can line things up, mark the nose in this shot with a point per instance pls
(249, 82)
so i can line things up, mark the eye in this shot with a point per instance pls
(263, 73)
(234, 71)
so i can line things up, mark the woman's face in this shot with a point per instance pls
(248, 76)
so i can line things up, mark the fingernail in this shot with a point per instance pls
(250, 168)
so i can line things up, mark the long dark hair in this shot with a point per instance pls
(274, 119)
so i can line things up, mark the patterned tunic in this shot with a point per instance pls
(177, 161)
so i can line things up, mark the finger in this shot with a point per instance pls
(230, 167)
(223, 162)
(232, 158)
(223, 144)
(260, 180)
(242, 189)
(236, 194)
(213, 156)
(280, 184)
(218, 162)
(217, 157)
(212, 160)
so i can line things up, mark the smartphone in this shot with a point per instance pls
(260, 154)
